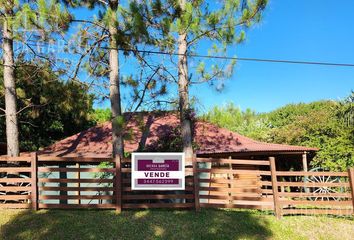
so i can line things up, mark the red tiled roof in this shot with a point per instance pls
(96, 141)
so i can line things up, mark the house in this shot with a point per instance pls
(148, 131)
(157, 131)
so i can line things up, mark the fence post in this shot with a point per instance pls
(351, 182)
(273, 171)
(230, 176)
(78, 185)
(34, 178)
(196, 183)
(118, 183)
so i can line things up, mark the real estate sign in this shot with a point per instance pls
(158, 171)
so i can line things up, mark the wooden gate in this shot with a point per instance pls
(76, 183)
(234, 183)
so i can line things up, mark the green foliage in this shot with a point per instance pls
(101, 115)
(49, 109)
(346, 110)
(318, 125)
(222, 23)
(119, 123)
(140, 87)
(42, 18)
(324, 124)
(247, 122)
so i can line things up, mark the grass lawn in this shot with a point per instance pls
(165, 224)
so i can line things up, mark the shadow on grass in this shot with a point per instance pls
(145, 224)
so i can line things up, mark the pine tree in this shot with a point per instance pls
(184, 25)
(116, 27)
(23, 21)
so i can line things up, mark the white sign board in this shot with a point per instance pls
(158, 171)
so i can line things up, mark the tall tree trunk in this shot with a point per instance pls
(10, 91)
(114, 88)
(183, 83)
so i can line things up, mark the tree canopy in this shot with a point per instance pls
(51, 108)
(326, 125)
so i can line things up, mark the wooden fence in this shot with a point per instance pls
(232, 183)
(156, 199)
(315, 193)
(63, 184)
(17, 183)
(40, 182)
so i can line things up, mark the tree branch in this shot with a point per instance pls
(31, 105)
(217, 28)
(90, 22)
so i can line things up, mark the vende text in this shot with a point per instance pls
(157, 174)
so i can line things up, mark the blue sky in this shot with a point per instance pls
(316, 30)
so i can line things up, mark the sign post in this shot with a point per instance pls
(158, 171)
